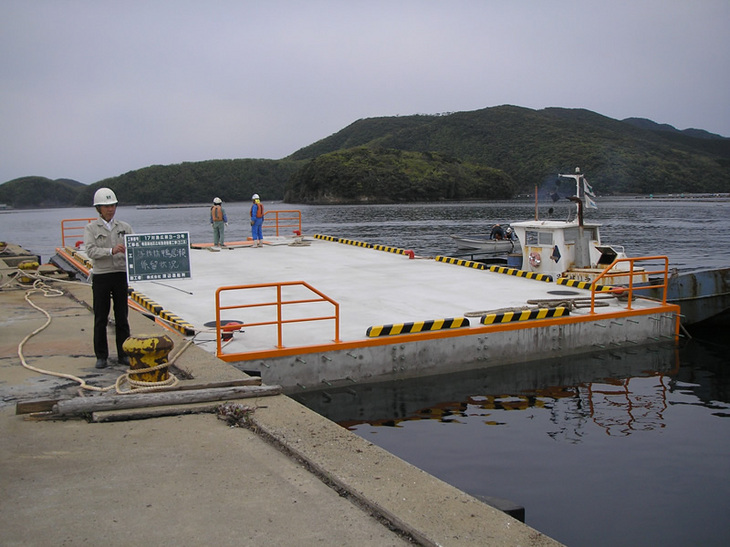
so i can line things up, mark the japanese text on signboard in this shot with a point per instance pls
(158, 256)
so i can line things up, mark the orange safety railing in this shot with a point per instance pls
(631, 274)
(283, 219)
(279, 304)
(73, 228)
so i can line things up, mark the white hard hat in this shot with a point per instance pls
(255, 196)
(217, 200)
(105, 196)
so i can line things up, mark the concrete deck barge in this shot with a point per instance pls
(319, 311)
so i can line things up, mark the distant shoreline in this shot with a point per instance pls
(173, 206)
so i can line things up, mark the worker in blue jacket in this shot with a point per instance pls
(257, 221)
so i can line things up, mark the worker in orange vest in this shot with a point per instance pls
(219, 220)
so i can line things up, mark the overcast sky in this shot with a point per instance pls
(93, 88)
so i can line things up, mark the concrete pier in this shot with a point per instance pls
(291, 478)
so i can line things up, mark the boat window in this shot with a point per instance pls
(571, 234)
(530, 237)
(533, 237)
(544, 238)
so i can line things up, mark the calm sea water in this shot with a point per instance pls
(627, 447)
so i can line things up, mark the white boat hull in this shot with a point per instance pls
(491, 246)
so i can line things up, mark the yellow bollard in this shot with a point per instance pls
(146, 352)
(27, 265)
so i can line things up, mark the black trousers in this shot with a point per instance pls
(108, 288)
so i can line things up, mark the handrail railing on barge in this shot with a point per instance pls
(281, 219)
(279, 304)
(70, 229)
(630, 273)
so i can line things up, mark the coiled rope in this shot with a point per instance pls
(40, 286)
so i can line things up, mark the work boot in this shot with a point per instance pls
(101, 363)
(123, 360)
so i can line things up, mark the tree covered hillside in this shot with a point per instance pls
(533, 145)
(485, 154)
(40, 192)
(199, 182)
(362, 175)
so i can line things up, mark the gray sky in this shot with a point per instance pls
(95, 88)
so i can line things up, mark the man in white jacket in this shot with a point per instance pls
(104, 243)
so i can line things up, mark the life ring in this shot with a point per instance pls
(535, 259)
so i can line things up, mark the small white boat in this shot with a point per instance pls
(484, 244)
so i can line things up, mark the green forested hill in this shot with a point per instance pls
(533, 145)
(193, 182)
(486, 154)
(199, 182)
(362, 175)
(26, 192)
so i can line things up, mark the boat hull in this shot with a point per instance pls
(484, 245)
(701, 295)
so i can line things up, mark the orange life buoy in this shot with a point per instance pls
(535, 259)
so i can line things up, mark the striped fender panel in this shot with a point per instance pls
(521, 273)
(583, 284)
(461, 262)
(524, 315)
(417, 326)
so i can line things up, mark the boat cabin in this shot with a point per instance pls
(569, 248)
(561, 249)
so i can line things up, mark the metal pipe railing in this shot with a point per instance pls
(283, 219)
(279, 303)
(630, 273)
(69, 229)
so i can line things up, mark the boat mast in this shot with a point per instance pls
(578, 177)
(582, 244)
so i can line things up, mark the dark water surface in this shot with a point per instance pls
(628, 447)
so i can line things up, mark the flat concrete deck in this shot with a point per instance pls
(294, 479)
(372, 287)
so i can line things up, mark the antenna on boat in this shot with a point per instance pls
(536, 202)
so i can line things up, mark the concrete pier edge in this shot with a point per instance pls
(413, 502)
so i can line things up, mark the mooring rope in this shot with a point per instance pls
(49, 292)
(40, 286)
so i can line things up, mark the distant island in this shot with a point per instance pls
(492, 153)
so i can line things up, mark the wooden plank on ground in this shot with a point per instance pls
(46, 405)
(87, 405)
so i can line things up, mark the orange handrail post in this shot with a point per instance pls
(278, 304)
(279, 317)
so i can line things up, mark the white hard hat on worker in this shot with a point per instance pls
(105, 196)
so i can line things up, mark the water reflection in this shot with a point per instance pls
(621, 392)
(614, 448)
